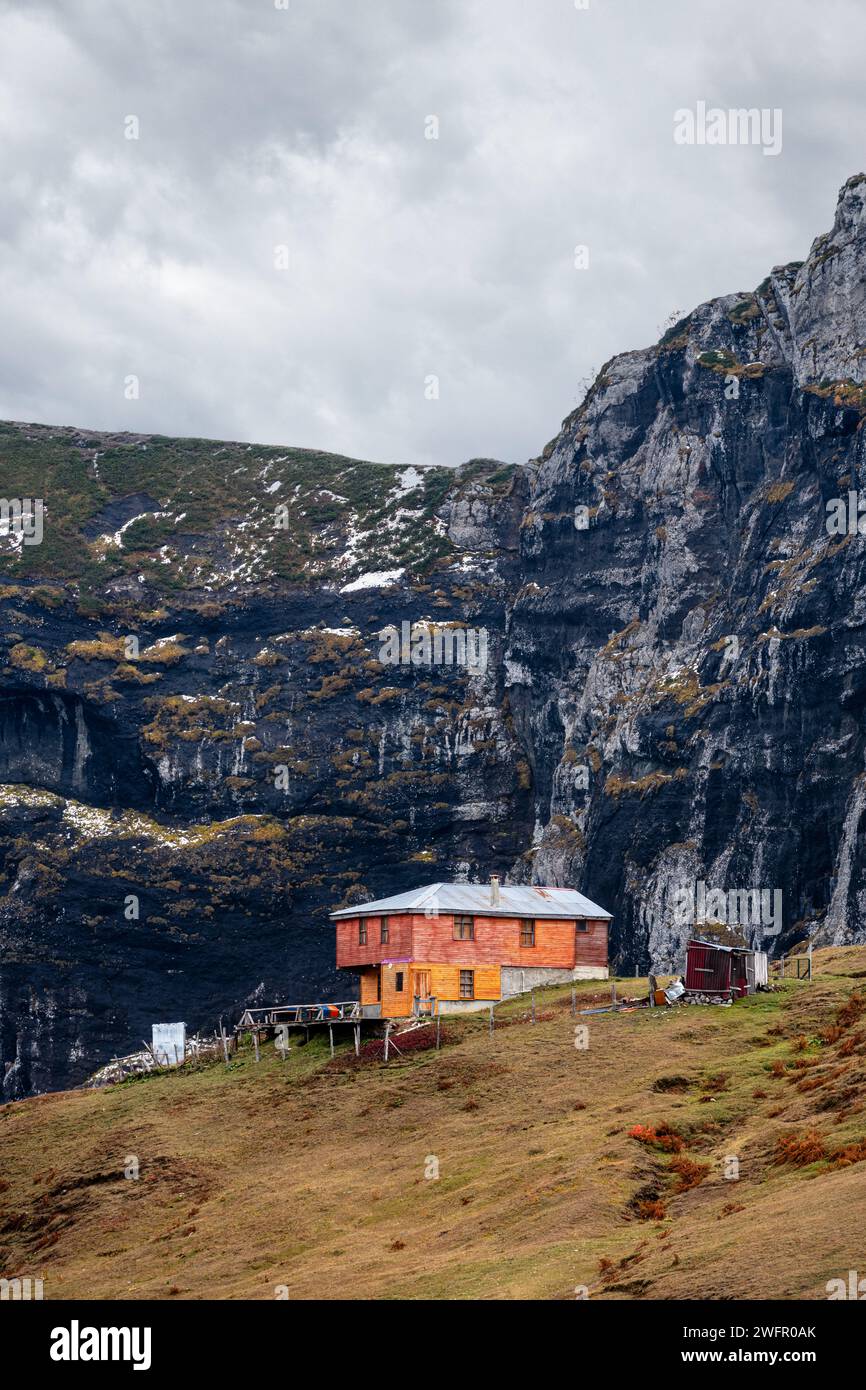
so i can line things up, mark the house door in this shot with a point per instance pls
(421, 991)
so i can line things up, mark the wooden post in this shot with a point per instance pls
(532, 997)
(491, 1020)
(331, 1037)
(573, 1002)
(652, 991)
(613, 993)
(357, 1039)
(438, 1025)
(225, 1043)
(256, 1043)
(810, 960)
(387, 1038)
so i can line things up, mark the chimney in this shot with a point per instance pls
(494, 890)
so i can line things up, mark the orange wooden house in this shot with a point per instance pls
(455, 946)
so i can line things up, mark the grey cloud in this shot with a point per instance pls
(408, 257)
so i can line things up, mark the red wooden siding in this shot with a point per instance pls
(398, 947)
(591, 945)
(558, 945)
(497, 942)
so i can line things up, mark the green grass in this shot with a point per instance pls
(219, 523)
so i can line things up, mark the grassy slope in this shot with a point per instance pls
(310, 1174)
(216, 501)
(215, 494)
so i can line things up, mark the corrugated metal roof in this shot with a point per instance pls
(515, 900)
(717, 946)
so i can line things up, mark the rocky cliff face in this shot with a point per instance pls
(203, 748)
(701, 644)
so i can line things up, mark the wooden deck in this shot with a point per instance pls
(302, 1015)
(279, 1018)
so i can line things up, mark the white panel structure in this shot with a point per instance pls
(169, 1043)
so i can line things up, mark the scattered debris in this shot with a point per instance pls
(140, 1063)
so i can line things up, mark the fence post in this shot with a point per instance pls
(357, 1039)
(387, 1037)
(573, 1002)
(438, 1025)
(532, 997)
(256, 1042)
(331, 1037)
(225, 1043)
(491, 1020)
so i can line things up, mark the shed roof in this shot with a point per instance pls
(717, 946)
(515, 900)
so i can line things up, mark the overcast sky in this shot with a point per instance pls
(407, 257)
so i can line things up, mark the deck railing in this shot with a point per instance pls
(348, 1011)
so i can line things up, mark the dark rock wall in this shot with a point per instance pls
(701, 645)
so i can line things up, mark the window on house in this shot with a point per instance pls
(384, 932)
(527, 933)
(464, 928)
(398, 982)
(581, 926)
(467, 984)
(362, 932)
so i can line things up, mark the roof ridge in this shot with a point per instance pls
(424, 894)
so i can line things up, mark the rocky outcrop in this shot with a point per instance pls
(204, 747)
(698, 649)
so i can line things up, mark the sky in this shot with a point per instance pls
(353, 226)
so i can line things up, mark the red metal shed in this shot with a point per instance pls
(715, 969)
